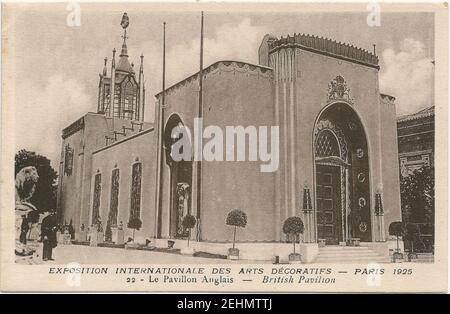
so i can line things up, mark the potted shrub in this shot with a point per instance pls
(293, 226)
(135, 223)
(188, 223)
(235, 218)
(108, 233)
(396, 229)
(411, 234)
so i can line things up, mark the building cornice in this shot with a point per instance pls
(259, 69)
(424, 113)
(123, 140)
(327, 47)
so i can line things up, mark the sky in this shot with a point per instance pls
(56, 66)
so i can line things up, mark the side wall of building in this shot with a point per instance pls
(235, 94)
(239, 96)
(123, 155)
(74, 195)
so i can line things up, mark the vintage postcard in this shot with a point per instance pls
(224, 147)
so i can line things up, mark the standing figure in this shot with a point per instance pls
(66, 235)
(94, 234)
(71, 230)
(34, 232)
(24, 227)
(82, 234)
(120, 234)
(100, 233)
(48, 236)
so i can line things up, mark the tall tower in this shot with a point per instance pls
(126, 92)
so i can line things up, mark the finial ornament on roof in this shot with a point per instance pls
(125, 21)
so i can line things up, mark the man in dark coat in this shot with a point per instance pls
(48, 236)
(24, 227)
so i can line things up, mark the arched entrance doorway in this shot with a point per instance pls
(180, 176)
(342, 182)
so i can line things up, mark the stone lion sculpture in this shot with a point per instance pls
(25, 184)
(26, 180)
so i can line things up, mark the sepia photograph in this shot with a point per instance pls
(238, 147)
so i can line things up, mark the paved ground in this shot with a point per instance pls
(64, 254)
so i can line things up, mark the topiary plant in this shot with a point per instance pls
(236, 218)
(135, 223)
(293, 226)
(396, 229)
(189, 223)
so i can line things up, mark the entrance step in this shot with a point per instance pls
(347, 254)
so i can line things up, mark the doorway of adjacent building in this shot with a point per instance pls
(180, 174)
(328, 196)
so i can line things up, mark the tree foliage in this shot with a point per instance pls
(189, 222)
(417, 195)
(396, 228)
(237, 218)
(293, 226)
(410, 232)
(44, 196)
(135, 223)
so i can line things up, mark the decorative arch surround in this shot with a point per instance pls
(342, 178)
(180, 183)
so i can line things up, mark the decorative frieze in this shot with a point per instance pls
(73, 128)
(326, 46)
(222, 66)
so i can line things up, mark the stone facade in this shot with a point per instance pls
(338, 143)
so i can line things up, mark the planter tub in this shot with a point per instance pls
(353, 242)
(397, 257)
(233, 254)
(322, 242)
(295, 258)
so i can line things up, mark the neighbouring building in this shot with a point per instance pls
(338, 158)
(416, 151)
(416, 140)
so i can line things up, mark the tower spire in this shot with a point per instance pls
(140, 111)
(104, 67)
(112, 89)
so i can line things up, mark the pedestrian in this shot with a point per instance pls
(48, 235)
(71, 230)
(24, 227)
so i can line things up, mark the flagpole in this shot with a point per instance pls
(162, 104)
(200, 115)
